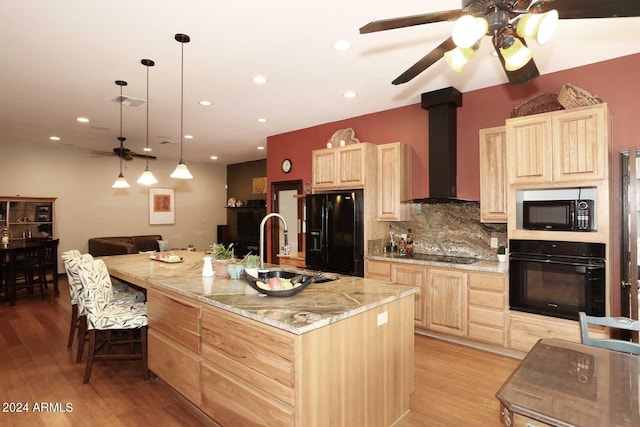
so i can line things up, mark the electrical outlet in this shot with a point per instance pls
(383, 318)
(494, 242)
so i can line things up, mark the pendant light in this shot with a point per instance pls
(147, 177)
(181, 171)
(120, 181)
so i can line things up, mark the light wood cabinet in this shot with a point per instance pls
(174, 342)
(415, 275)
(559, 147)
(493, 175)
(447, 301)
(394, 181)
(487, 309)
(27, 217)
(378, 270)
(345, 167)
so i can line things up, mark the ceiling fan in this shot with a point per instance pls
(508, 23)
(124, 153)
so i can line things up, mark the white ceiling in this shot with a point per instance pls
(59, 60)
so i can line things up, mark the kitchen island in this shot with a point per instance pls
(338, 353)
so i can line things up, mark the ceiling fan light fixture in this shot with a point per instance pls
(457, 58)
(181, 171)
(516, 55)
(468, 29)
(538, 26)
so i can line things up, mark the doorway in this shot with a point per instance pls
(288, 200)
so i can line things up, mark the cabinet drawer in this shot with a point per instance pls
(231, 402)
(487, 282)
(379, 270)
(487, 299)
(259, 355)
(176, 318)
(486, 334)
(526, 329)
(175, 365)
(486, 316)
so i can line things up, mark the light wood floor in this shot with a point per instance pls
(454, 385)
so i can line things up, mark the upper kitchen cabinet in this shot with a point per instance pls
(394, 182)
(348, 167)
(568, 146)
(493, 175)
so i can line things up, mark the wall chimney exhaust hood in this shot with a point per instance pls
(442, 105)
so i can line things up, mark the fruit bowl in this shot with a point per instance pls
(299, 281)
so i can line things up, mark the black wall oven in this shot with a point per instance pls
(557, 279)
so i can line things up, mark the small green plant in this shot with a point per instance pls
(219, 251)
(501, 250)
(251, 261)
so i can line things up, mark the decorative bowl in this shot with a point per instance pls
(305, 279)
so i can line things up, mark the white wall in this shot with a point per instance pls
(87, 206)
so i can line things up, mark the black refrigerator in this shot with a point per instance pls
(335, 232)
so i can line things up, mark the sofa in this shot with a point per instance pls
(104, 246)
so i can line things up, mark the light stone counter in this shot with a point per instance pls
(482, 265)
(318, 305)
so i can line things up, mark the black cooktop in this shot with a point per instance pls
(437, 258)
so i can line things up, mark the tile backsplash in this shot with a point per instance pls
(452, 229)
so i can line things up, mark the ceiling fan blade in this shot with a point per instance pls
(144, 156)
(428, 60)
(409, 21)
(583, 9)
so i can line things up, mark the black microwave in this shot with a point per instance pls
(565, 215)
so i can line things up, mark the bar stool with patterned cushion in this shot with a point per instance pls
(103, 315)
(121, 295)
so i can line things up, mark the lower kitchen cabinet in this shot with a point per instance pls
(416, 275)
(447, 301)
(487, 315)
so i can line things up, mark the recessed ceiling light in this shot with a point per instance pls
(54, 138)
(262, 120)
(349, 94)
(214, 157)
(82, 120)
(259, 80)
(147, 149)
(260, 147)
(188, 137)
(206, 103)
(342, 45)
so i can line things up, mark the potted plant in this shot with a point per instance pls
(222, 256)
(251, 264)
(234, 268)
(502, 253)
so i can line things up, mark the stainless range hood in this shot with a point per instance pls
(442, 105)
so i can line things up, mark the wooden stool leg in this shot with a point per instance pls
(74, 321)
(92, 347)
(82, 337)
(143, 342)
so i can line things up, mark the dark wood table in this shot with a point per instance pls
(8, 256)
(562, 383)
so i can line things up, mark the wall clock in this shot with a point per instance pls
(286, 166)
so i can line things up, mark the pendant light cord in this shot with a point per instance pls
(181, 97)
(146, 152)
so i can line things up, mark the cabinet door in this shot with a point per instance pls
(414, 275)
(324, 168)
(447, 301)
(378, 270)
(529, 146)
(581, 140)
(394, 182)
(493, 175)
(351, 166)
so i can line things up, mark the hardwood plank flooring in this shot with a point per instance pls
(454, 385)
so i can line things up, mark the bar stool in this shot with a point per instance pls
(103, 315)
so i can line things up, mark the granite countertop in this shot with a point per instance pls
(295, 255)
(318, 305)
(424, 259)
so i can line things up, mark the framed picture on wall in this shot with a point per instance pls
(260, 185)
(161, 206)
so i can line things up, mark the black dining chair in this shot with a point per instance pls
(34, 267)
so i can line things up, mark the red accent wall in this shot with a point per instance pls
(615, 81)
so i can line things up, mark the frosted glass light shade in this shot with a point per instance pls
(468, 30)
(120, 182)
(147, 178)
(457, 58)
(538, 26)
(181, 172)
(516, 56)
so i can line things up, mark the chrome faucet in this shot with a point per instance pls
(286, 235)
